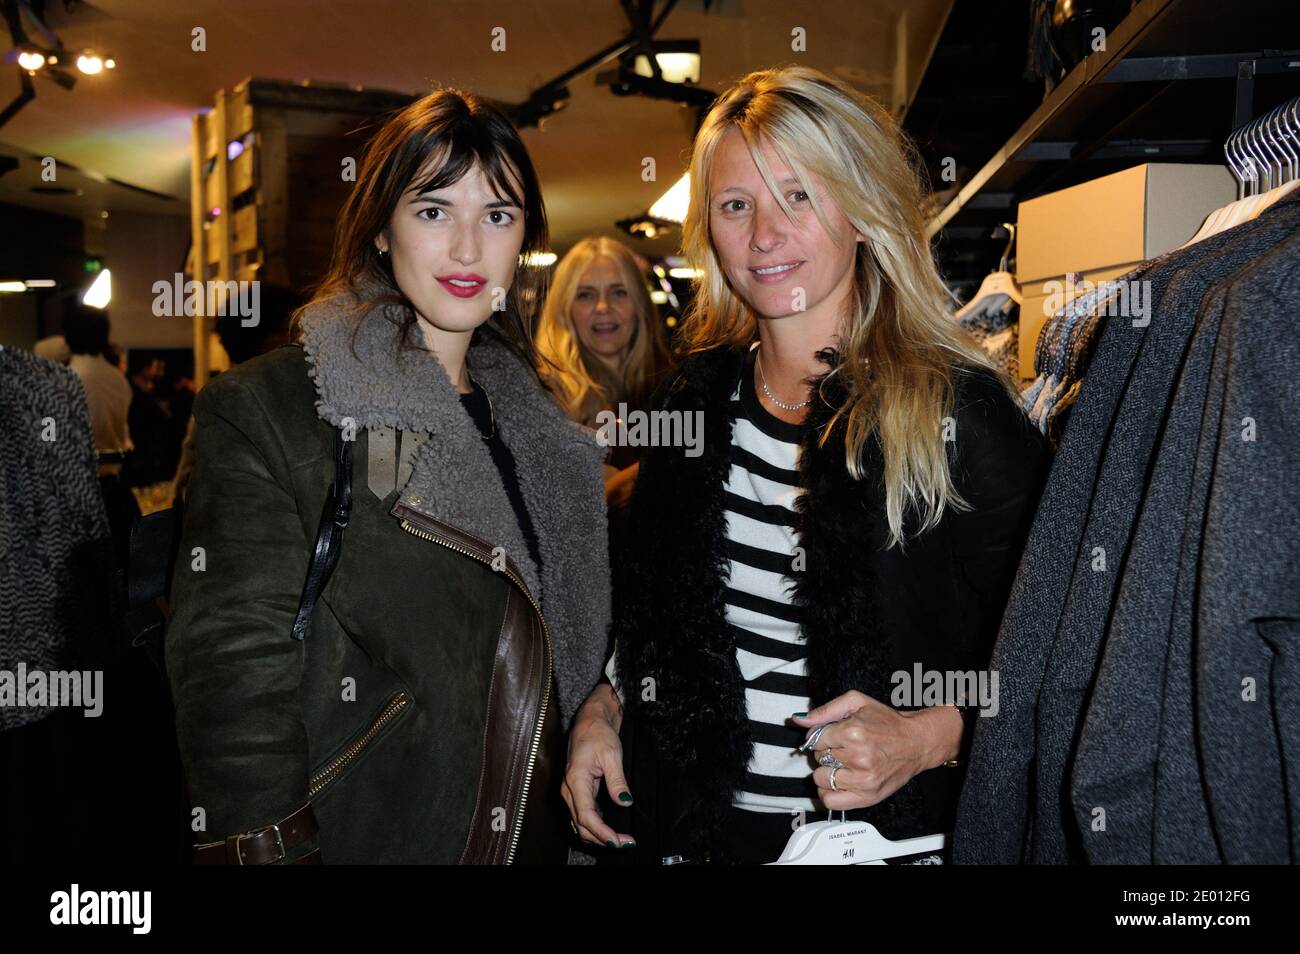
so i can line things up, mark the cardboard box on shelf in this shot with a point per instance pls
(1106, 227)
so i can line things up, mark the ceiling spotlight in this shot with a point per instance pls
(31, 60)
(672, 204)
(100, 292)
(90, 63)
(645, 226)
(679, 61)
(678, 65)
(110, 63)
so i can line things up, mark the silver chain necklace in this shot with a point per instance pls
(758, 359)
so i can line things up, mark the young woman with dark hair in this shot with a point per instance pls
(419, 718)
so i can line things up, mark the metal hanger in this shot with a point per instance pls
(1265, 165)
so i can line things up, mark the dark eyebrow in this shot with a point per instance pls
(497, 204)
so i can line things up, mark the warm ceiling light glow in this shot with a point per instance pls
(12, 287)
(90, 63)
(672, 204)
(674, 67)
(658, 297)
(31, 60)
(691, 273)
(40, 283)
(110, 63)
(100, 291)
(540, 259)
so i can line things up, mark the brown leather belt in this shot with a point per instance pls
(263, 846)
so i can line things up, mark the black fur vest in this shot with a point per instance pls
(868, 611)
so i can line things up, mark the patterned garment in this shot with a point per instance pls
(761, 489)
(994, 320)
(1063, 351)
(55, 554)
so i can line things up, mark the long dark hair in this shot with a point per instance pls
(449, 131)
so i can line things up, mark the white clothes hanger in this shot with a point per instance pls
(995, 284)
(843, 842)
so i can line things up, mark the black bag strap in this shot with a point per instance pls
(329, 535)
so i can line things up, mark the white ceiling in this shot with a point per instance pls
(133, 124)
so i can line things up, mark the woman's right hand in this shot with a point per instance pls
(596, 753)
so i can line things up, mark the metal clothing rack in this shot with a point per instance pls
(1263, 153)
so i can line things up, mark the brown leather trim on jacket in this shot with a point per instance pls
(513, 700)
(521, 677)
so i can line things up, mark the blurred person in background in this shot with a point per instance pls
(603, 351)
(157, 445)
(108, 395)
(600, 336)
(54, 348)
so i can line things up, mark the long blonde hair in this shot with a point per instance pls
(900, 349)
(584, 383)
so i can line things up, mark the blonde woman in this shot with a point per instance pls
(854, 521)
(599, 334)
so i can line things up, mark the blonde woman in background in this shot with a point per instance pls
(599, 335)
(858, 511)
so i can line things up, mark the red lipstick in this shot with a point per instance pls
(463, 284)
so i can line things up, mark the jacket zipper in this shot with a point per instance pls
(546, 684)
(335, 767)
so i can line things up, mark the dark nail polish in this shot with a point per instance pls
(610, 843)
(801, 715)
(625, 798)
(629, 844)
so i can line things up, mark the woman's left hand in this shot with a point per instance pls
(881, 747)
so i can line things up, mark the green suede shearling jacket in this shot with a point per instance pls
(422, 715)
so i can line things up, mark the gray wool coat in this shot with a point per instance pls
(1028, 794)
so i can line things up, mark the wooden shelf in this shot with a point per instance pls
(279, 198)
(1167, 87)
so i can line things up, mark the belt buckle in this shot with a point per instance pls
(279, 842)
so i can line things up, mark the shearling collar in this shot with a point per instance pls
(454, 479)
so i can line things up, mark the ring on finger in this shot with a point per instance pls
(834, 769)
(829, 759)
(814, 737)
